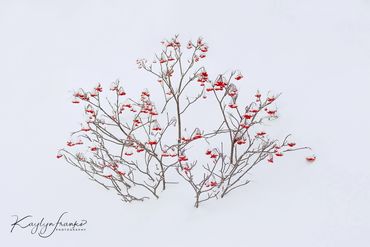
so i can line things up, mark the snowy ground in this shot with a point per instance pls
(316, 52)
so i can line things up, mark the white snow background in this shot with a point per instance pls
(317, 53)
